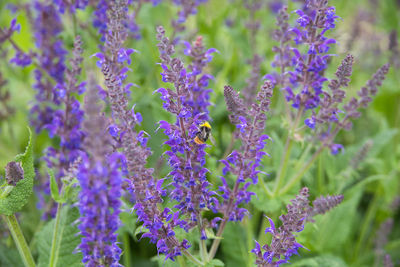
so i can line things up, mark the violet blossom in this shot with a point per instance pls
(70, 5)
(51, 60)
(20, 58)
(66, 122)
(101, 187)
(147, 190)
(187, 8)
(198, 80)
(244, 164)
(328, 112)
(313, 23)
(186, 157)
(100, 19)
(283, 244)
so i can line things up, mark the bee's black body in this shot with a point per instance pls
(203, 134)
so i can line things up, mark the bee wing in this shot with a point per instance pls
(212, 140)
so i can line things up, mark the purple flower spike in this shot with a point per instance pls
(302, 78)
(244, 164)
(101, 187)
(188, 102)
(283, 244)
(146, 190)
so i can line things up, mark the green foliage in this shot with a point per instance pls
(9, 256)
(320, 261)
(68, 240)
(19, 195)
(332, 239)
(233, 246)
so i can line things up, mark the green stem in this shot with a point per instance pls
(203, 247)
(265, 188)
(19, 240)
(249, 240)
(181, 262)
(127, 250)
(300, 174)
(286, 154)
(320, 177)
(283, 166)
(57, 233)
(192, 258)
(55, 244)
(366, 226)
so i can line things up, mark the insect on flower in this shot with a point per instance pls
(203, 134)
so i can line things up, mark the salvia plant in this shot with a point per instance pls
(199, 133)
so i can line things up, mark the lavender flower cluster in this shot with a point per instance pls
(283, 244)
(100, 180)
(244, 164)
(305, 73)
(105, 141)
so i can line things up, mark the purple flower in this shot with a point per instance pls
(101, 19)
(314, 20)
(335, 148)
(66, 122)
(302, 78)
(101, 187)
(188, 7)
(310, 123)
(47, 27)
(70, 6)
(197, 79)
(188, 102)
(244, 164)
(147, 191)
(283, 244)
(6, 33)
(20, 59)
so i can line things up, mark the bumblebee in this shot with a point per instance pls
(203, 134)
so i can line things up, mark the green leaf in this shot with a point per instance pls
(160, 259)
(211, 235)
(70, 190)
(234, 245)
(9, 256)
(320, 261)
(141, 230)
(54, 187)
(20, 194)
(215, 263)
(262, 202)
(128, 220)
(68, 240)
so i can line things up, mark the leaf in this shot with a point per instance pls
(20, 194)
(215, 263)
(68, 240)
(9, 256)
(211, 235)
(234, 245)
(323, 236)
(128, 220)
(262, 202)
(160, 259)
(54, 187)
(320, 261)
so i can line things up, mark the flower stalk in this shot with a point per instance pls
(19, 240)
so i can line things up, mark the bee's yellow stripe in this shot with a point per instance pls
(205, 124)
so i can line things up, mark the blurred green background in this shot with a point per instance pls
(345, 236)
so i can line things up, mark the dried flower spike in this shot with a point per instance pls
(14, 173)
